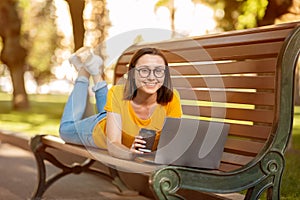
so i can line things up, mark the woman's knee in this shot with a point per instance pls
(69, 133)
(66, 130)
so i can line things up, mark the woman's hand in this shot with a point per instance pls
(138, 144)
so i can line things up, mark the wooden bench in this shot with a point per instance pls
(244, 78)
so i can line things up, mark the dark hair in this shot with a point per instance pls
(164, 93)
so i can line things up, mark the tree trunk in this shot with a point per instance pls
(20, 99)
(274, 10)
(13, 54)
(76, 11)
(172, 17)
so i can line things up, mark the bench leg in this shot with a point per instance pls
(272, 165)
(41, 155)
(272, 191)
(117, 181)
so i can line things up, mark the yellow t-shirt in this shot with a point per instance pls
(131, 124)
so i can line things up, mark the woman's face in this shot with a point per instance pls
(149, 73)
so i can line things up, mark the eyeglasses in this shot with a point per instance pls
(145, 72)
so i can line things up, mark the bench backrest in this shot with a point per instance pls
(232, 77)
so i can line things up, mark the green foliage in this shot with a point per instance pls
(251, 12)
(39, 35)
(238, 14)
(164, 3)
(290, 189)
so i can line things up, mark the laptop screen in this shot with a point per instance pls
(191, 142)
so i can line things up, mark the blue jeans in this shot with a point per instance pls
(73, 127)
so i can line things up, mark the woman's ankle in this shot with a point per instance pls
(97, 78)
(83, 72)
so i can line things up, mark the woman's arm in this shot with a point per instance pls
(114, 138)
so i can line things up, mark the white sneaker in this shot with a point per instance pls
(85, 57)
(81, 56)
(94, 65)
(75, 61)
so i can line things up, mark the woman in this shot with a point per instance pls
(145, 100)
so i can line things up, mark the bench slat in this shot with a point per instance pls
(244, 37)
(238, 52)
(225, 167)
(120, 70)
(253, 98)
(236, 67)
(238, 82)
(250, 131)
(98, 154)
(235, 159)
(243, 147)
(255, 115)
(227, 38)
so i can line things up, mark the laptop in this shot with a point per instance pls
(191, 142)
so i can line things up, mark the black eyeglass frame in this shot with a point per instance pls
(151, 70)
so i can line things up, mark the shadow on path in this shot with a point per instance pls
(19, 175)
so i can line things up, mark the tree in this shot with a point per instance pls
(40, 39)
(76, 11)
(169, 4)
(243, 14)
(13, 53)
(236, 14)
(275, 10)
(31, 49)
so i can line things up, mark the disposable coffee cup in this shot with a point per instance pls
(149, 136)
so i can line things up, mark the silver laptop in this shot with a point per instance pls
(192, 143)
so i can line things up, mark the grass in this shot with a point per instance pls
(42, 118)
(46, 110)
(290, 189)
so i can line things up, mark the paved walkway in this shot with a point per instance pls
(18, 176)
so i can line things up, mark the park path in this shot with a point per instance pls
(18, 176)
